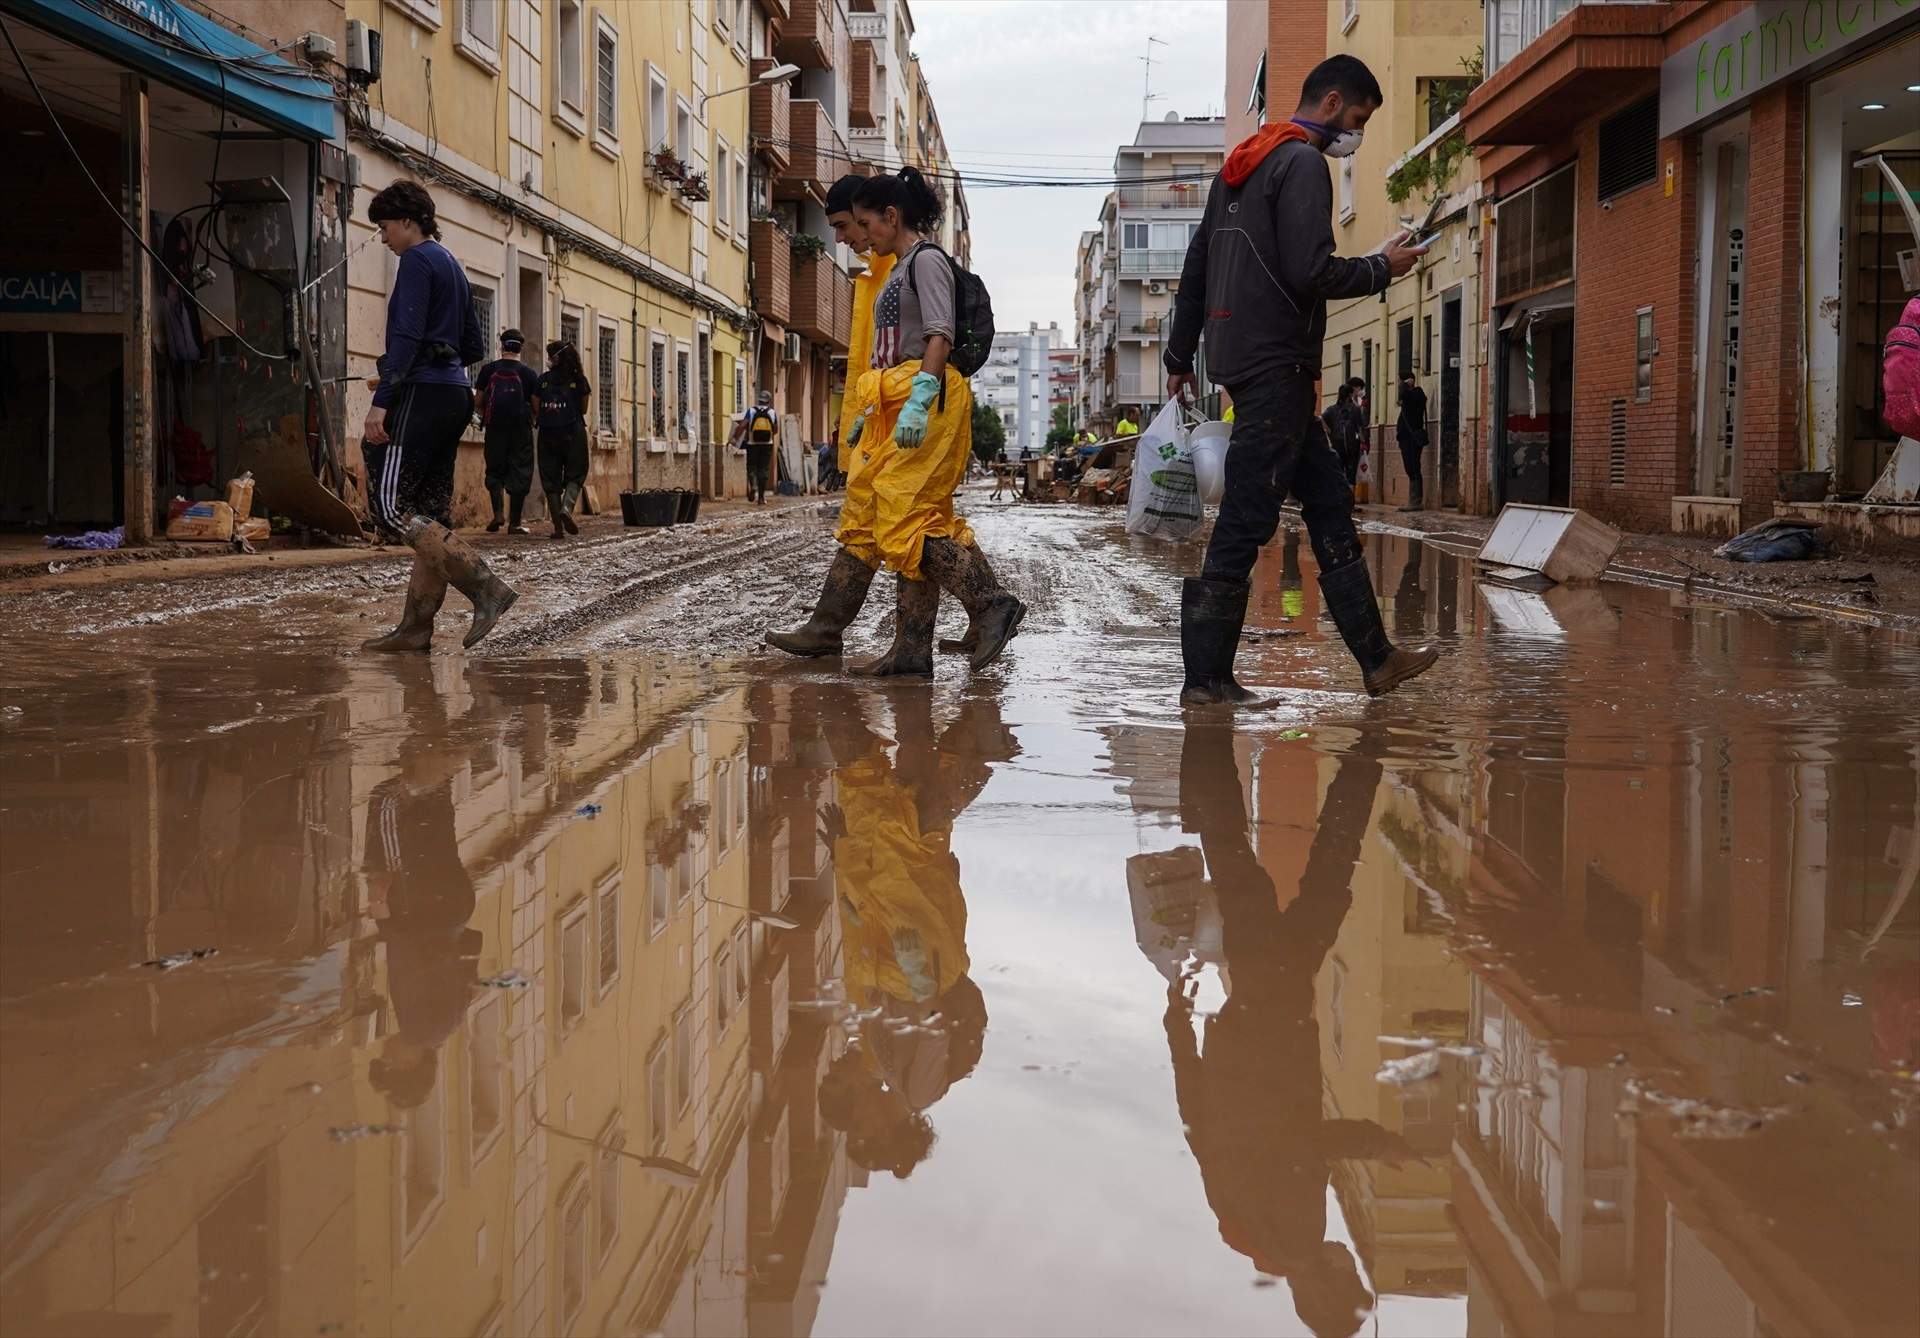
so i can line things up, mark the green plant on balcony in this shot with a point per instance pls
(665, 166)
(1430, 174)
(693, 186)
(806, 246)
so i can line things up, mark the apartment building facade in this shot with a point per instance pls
(1699, 214)
(1018, 384)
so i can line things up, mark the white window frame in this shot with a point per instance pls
(722, 186)
(739, 388)
(571, 112)
(426, 13)
(483, 51)
(1346, 189)
(683, 146)
(681, 421)
(659, 110)
(607, 141)
(742, 20)
(659, 397)
(741, 209)
(607, 392)
(606, 891)
(1349, 15)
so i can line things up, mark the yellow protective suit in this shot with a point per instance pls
(902, 912)
(866, 291)
(900, 497)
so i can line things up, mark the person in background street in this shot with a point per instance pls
(759, 428)
(1126, 427)
(1258, 274)
(850, 577)
(421, 407)
(506, 388)
(1412, 433)
(1359, 426)
(561, 397)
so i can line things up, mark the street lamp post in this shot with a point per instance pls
(779, 74)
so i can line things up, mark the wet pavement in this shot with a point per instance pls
(622, 980)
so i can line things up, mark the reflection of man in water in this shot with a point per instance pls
(1250, 1094)
(903, 922)
(413, 870)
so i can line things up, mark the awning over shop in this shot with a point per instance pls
(173, 44)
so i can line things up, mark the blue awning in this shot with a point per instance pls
(172, 43)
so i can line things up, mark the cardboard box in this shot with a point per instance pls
(202, 522)
(240, 496)
(254, 529)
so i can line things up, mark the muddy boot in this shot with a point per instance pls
(570, 498)
(466, 572)
(1211, 616)
(916, 606)
(969, 643)
(516, 502)
(1414, 503)
(426, 591)
(995, 614)
(499, 518)
(841, 596)
(1350, 602)
(554, 511)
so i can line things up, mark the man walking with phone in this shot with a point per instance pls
(1258, 275)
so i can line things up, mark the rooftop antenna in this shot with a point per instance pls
(1147, 96)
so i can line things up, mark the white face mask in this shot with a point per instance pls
(1339, 143)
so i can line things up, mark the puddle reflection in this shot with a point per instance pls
(587, 996)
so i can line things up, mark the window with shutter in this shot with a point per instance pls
(609, 935)
(1629, 155)
(606, 83)
(604, 394)
(658, 375)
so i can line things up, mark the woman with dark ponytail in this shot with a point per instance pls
(914, 431)
(560, 398)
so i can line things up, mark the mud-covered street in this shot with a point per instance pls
(623, 976)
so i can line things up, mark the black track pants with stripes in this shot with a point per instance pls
(412, 474)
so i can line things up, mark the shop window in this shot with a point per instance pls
(608, 360)
(567, 29)
(1629, 154)
(1533, 238)
(1644, 348)
(606, 83)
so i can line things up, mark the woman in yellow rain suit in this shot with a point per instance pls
(852, 571)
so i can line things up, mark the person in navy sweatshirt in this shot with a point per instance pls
(422, 404)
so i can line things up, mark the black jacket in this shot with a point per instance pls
(1261, 269)
(1413, 416)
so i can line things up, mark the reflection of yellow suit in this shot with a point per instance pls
(866, 291)
(904, 916)
(900, 497)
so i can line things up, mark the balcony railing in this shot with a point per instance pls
(863, 90)
(772, 123)
(867, 26)
(1172, 195)
(772, 271)
(806, 39)
(1138, 387)
(1152, 264)
(819, 155)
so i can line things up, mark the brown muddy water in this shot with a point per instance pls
(1573, 990)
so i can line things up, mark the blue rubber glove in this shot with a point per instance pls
(853, 433)
(911, 428)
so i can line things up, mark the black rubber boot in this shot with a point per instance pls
(466, 572)
(499, 517)
(555, 509)
(516, 503)
(916, 607)
(1415, 502)
(569, 498)
(969, 643)
(996, 615)
(1350, 602)
(841, 597)
(1211, 616)
(426, 592)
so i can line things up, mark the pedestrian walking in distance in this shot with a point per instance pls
(759, 428)
(1258, 274)
(421, 407)
(560, 397)
(1412, 433)
(506, 388)
(885, 495)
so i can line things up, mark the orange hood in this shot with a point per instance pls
(1250, 152)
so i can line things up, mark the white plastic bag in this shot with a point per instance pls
(1164, 500)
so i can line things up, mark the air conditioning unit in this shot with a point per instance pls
(1157, 287)
(793, 349)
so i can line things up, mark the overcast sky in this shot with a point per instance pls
(1054, 86)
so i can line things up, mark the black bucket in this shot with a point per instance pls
(689, 507)
(655, 507)
(630, 507)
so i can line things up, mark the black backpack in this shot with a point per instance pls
(972, 315)
(505, 394)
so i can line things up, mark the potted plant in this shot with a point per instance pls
(693, 186)
(806, 246)
(665, 166)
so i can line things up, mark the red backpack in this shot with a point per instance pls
(1900, 373)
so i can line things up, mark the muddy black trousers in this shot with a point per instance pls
(759, 467)
(509, 454)
(563, 456)
(412, 473)
(1279, 447)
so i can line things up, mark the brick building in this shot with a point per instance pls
(1697, 219)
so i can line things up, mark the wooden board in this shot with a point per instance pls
(1561, 543)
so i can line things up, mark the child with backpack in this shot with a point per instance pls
(505, 388)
